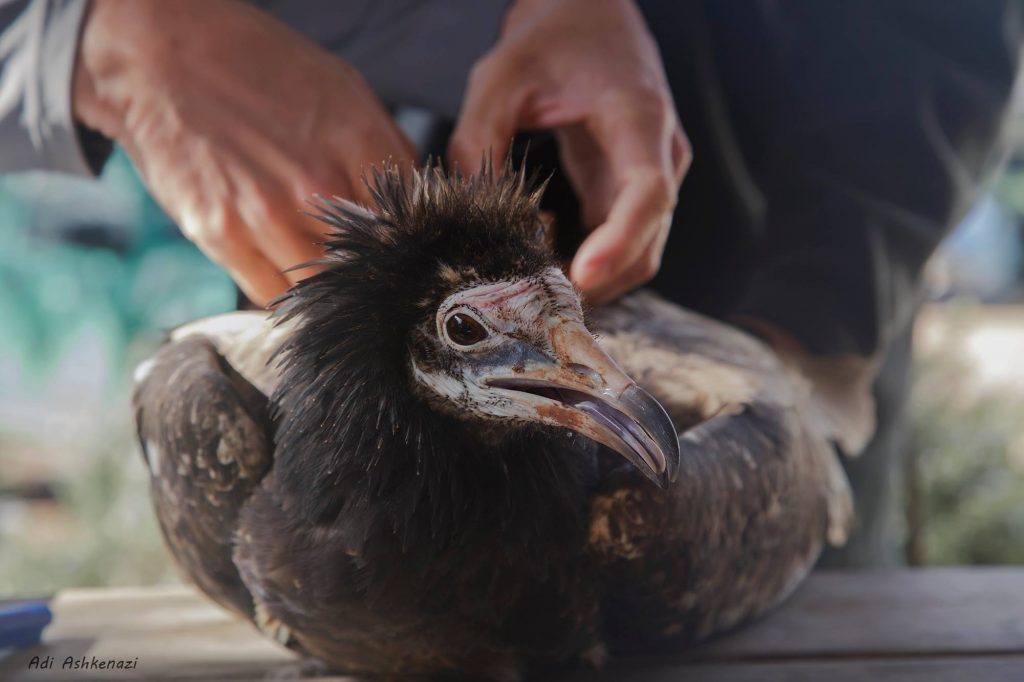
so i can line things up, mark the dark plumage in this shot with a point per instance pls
(414, 468)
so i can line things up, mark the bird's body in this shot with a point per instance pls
(411, 483)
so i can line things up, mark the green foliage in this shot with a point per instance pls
(970, 459)
(1010, 190)
(50, 289)
(100, 530)
(74, 320)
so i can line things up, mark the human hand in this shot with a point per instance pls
(234, 121)
(589, 70)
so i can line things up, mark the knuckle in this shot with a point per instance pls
(217, 236)
(484, 71)
(523, 61)
(190, 228)
(642, 106)
(500, 72)
(650, 93)
(671, 196)
(320, 176)
(684, 149)
(661, 193)
(212, 249)
(648, 266)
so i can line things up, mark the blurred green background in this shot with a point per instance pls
(94, 274)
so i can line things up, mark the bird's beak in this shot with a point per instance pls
(582, 389)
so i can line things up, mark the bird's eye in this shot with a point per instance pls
(463, 330)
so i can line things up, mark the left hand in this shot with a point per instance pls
(233, 120)
(589, 70)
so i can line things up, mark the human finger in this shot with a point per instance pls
(489, 114)
(230, 246)
(637, 138)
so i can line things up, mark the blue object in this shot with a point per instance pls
(21, 624)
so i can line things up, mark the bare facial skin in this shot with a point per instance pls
(523, 353)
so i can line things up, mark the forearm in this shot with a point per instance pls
(38, 130)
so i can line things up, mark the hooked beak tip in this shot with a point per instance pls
(633, 423)
(586, 391)
(659, 459)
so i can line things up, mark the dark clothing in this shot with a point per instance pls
(834, 144)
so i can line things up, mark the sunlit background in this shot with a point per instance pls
(92, 275)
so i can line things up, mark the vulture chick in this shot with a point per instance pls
(424, 464)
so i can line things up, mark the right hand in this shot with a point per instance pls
(234, 121)
(590, 71)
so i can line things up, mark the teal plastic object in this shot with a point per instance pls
(54, 290)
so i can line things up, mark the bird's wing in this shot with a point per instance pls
(840, 398)
(715, 364)
(704, 372)
(760, 483)
(205, 434)
(700, 368)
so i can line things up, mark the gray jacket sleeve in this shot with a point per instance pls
(38, 42)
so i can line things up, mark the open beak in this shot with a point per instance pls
(582, 389)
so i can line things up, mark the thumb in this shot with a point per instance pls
(489, 115)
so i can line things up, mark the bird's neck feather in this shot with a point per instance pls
(361, 450)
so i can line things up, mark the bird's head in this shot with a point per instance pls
(446, 291)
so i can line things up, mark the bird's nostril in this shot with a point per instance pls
(588, 373)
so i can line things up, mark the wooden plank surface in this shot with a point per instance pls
(956, 669)
(936, 625)
(868, 613)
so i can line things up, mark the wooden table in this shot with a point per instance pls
(939, 625)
